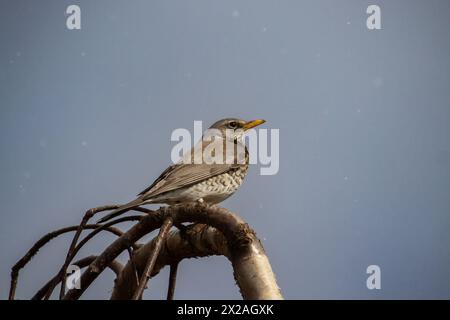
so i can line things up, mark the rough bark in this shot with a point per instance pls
(213, 231)
(227, 235)
(198, 240)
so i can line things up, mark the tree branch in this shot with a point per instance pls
(167, 224)
(234, 239)
(196, 240)
(214, 231)
(62, 272)
(88, 215)
(70, 253)
(172, 280)
(115, 266)
(147, 224)
(41, 243)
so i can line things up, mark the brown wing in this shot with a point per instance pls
(183, 175)
(161, 177)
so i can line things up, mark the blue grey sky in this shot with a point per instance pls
(364, 117)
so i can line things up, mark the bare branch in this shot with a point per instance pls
(48, 237)
(167, 224)
(172, 280)
(70, 253)
(234, 239)
(214, 231)
(100, 229)
(147, 224)
(38, 245)
(196, 240)
(62, 272)
(115, 266)
(89, 214)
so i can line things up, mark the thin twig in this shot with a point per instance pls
(41, 243)
(101, 228)
(62, 272)
(165, 227)
(146, 225)
(115, 266)
(88, 215)
(172, 281)
(133, 265)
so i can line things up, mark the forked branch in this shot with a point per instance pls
(224, 234)
(213, 231)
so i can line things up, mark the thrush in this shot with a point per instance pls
(207, 181)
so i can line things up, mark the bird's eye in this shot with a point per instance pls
(232, 124)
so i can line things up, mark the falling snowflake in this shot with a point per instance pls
(235, 14)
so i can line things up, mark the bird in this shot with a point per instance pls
(208, 182)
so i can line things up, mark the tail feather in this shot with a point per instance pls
(122, 209)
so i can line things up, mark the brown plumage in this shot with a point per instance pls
(209, 182)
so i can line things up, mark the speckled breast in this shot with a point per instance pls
(218, 188)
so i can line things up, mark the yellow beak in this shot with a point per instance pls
(253, 123)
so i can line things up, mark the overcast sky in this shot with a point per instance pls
(364, 117)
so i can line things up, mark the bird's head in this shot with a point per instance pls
(233, 128)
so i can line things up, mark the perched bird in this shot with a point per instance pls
(205, 182)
